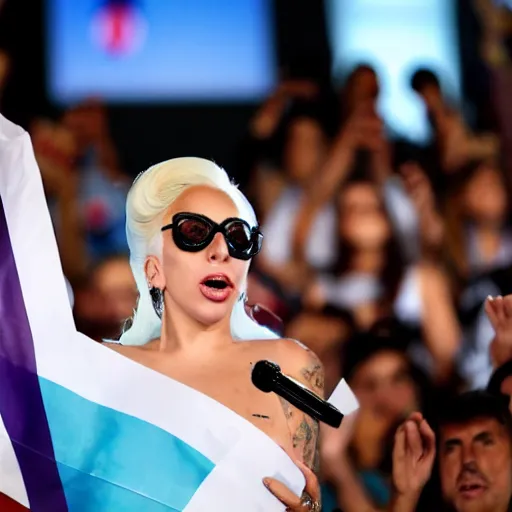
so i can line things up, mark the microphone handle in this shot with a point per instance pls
(306, 401)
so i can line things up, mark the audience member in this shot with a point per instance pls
(455, 141)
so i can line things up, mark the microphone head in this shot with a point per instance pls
(265, 375)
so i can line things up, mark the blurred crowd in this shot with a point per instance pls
(378, 254)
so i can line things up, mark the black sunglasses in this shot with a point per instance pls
(193, 232)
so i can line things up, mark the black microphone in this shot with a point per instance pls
(267, 377)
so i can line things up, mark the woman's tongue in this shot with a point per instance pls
(217, 290)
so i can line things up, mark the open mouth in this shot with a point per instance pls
(217, 288)
(217, 282)
(471, 489)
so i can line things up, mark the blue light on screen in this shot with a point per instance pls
(396, 37)
(160, 50)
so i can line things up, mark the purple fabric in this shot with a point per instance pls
(21, 403)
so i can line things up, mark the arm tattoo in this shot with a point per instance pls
(303, 435)
(316, 459)
(306, 437)
(287, 408)
(263, 416)
(314, 376)
(305, 430)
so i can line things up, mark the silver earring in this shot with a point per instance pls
(157, 298)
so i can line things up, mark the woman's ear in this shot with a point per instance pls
(154, 273)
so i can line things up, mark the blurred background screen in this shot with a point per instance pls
(396, 37)
(182, 50)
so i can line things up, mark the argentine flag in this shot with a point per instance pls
(84, 429)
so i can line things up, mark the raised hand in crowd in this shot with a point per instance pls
(88, 122)
(499, 311)
(381, 166)
(456, 143)
(267, 118)
(362, 130)
(413, 458)
(431, 225)
(55, 151)
(461, 146)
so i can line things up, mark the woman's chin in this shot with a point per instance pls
(214, 314)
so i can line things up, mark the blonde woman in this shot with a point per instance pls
(192, 235)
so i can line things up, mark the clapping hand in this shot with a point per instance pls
(499, 311)
(413, 456)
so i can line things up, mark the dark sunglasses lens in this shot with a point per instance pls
(239, 235)
(193, 231)
(257, 241)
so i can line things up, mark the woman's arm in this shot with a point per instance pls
(269, 115)
(301, 364)
(338, 468)
(70, 233)
(441, 329)
(54, 151)
(350, 493)
(429, 221)
(322, 191)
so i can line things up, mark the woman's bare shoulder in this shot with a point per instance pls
(283, 347)
(295, 360)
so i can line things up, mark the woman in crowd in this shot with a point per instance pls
(389, 387)
(371, 281)
(477, 215)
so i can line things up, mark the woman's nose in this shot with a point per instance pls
(218, 249)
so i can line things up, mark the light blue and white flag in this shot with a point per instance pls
(84, 429)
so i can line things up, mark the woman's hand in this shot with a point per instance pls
(55, 152)
(310, 499)
(268, 116)
(298, 89)
(499, 311)
(413, 456)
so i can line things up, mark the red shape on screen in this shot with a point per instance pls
(118, 27)
(96, 214)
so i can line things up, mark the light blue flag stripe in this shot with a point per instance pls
(109, 461)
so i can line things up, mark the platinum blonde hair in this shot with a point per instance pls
(150, 196)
